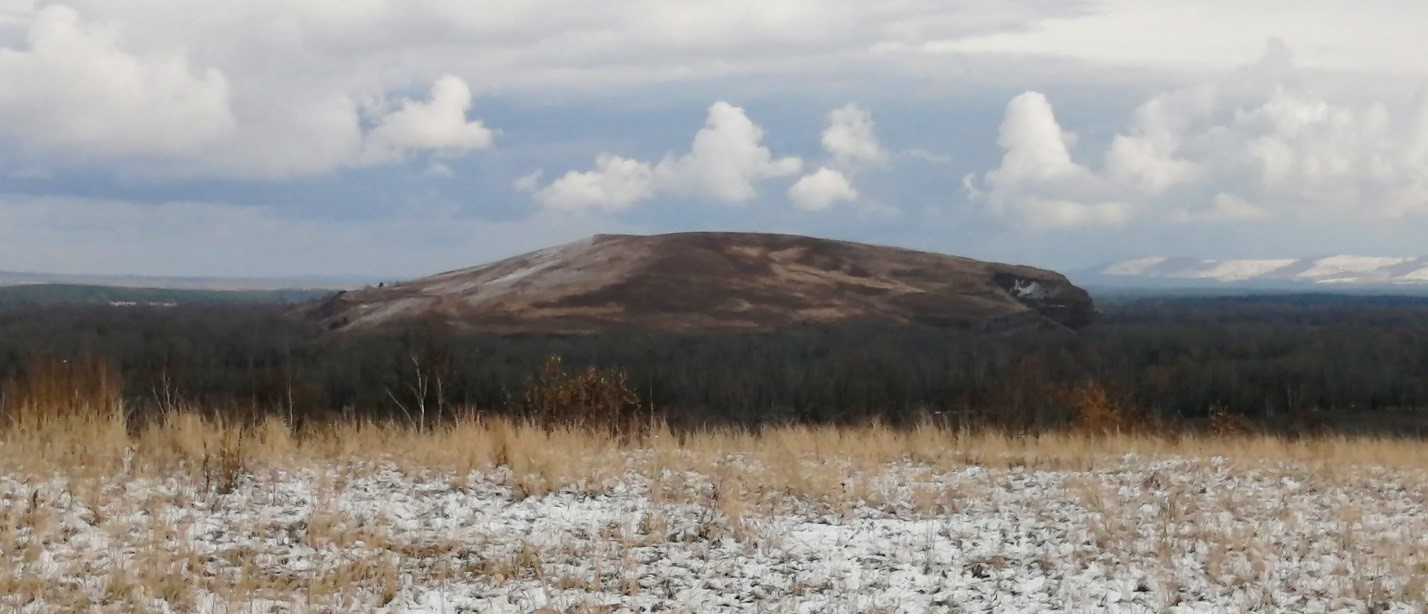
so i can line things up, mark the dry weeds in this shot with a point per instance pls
(714, 487)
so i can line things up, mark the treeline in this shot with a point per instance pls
(48, 294)
(1282, 362)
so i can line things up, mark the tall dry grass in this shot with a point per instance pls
(583, 427)
(90, 439)
(68, 413)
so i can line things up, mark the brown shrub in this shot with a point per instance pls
(1095, 413)
(592, 398)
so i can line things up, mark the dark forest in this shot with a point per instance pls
(1284, 363)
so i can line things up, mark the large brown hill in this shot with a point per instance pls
(716, 281)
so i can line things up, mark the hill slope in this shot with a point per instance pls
(716, 281)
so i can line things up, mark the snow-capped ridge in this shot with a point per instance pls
(1343, 269)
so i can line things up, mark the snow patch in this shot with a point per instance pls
(1420, 275)
(1133, 267)
(1028, 289)
(1330, 270)
(1238, 270)
(1347, 266)
(515, 269)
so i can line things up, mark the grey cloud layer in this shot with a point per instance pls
(276, 96)
(272, 88)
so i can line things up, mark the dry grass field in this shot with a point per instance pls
(188, 513)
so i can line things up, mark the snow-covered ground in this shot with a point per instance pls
(1133, 535)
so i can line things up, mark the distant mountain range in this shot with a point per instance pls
(1327, 272)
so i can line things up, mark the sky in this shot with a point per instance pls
(393, 139)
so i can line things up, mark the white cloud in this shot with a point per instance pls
(311, 132)
(616, 184)
(849, 138)
(852, 146)
(1037, 181)
(1256, 144)
(112, 91)
(74, 91)
(725, 162)
(818, 190)
(1351, 36)
(1146, 158)
(726, 159)
(438, 125)
(1036, 148)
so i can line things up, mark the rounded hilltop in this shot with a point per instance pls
(706, 281)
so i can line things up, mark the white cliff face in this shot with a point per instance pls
(1027, 289)
(1330, 270)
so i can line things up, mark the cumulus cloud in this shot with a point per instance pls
(75, 91)
(852, 146)
(1038, 181)
(818, 190)
(1255, 144)
(438, 125)
(616, 184)
(726, 159)
(1146, 157)
(725, 162)
(90, 90)
(849, 138)
(309, 132)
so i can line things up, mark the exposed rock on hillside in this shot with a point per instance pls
(716, 281)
